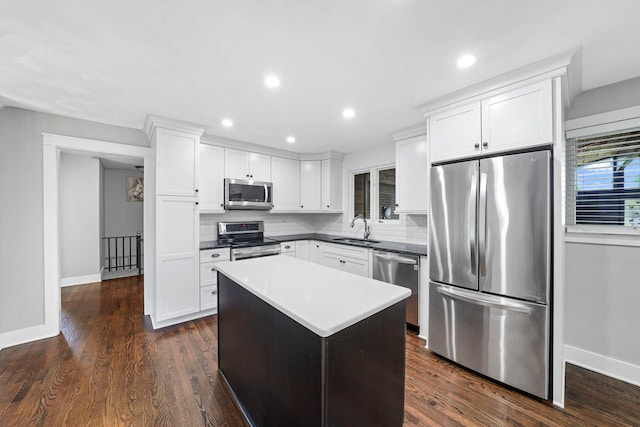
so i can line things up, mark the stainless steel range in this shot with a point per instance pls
(247, 239)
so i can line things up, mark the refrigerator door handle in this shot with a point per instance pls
(471, 223)
(482, 226)
(485, 300)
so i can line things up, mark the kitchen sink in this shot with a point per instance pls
(354, 241)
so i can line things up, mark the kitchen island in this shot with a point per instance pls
(303, 344)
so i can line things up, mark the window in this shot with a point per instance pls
(603, 179)
(387, 194)
(374, 194)
(362, 194)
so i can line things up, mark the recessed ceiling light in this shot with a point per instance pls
(466, 61)
(348, 113)
(272, 81)
(227, 123)
(291, 139)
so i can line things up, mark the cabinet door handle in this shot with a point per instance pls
(215, 255)
(197, 190)
(485, 144)
(197, 203)
(250, 176)
(214, 292)
(302, 206)
(287, 247)
(213, 269)
(222, 205)
(476, 145)
(327, 205)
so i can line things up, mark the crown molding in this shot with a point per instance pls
(222, 141)
(410, 132)
(566, 64)
(323, 156)
(154, 122)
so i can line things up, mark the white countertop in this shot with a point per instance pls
(322, 299)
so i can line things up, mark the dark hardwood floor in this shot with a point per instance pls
(108, 367)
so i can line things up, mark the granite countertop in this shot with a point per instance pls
(322, 299)
(213, 244)
(402, 248)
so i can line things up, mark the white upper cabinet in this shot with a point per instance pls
(245, 165)
(331, 185)
(177, 161)
(211, 179)
(310, 185)
(520, 118)
(455, 133)
(412, 175)
(285, 175)
(321, 185)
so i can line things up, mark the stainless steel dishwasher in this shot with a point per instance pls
(401, 270)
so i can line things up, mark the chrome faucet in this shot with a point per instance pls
(367, 231)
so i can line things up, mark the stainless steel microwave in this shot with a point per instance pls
(247, 194)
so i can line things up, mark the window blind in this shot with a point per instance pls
(603, 179)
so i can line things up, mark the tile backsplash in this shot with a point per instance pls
(410, 228)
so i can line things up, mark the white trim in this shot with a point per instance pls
(601, 239)
(558, 334)
(562, 64)
(80, 280)
(51, 146)
(153, 122)
(599, 119)
(181, 319)
(605, 128)
(416, 131)
(605, 365)
(21, 336)
(51, 242)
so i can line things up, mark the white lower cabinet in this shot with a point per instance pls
(302, 250)
(208, 297)
(177, 291)
(346, 258)
(209, 276)
(288, 249)
(315, 251)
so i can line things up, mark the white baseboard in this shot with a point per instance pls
(605, 365)
(21, 336)
(424, 337)
(170, 322)
(80, 280)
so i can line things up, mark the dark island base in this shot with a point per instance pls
(281, 373)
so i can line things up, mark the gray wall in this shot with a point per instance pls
(612, 97)
(122, 218)
(602, 294)
(602, 279)
(79, 205)
(21, 228)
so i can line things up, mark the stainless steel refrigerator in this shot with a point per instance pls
(490, 267)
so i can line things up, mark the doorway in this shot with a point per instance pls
(53, 145)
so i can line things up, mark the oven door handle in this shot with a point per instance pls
(238, 255)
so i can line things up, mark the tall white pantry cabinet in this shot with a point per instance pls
(177, 148)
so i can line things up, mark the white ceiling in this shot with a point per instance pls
(203, 60)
